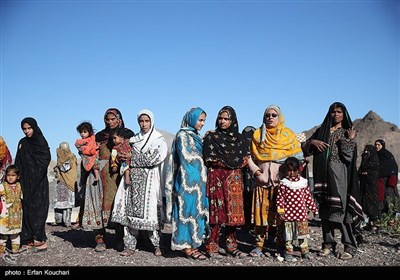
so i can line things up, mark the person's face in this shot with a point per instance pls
(292, 173)
(337, 115)
(224, 120)
(84, 134)
(111, 121)
(200, 122)
(378, 146)
(272, 118)
(11, 177)
(117, 139)
(144, 123)
(27, 129)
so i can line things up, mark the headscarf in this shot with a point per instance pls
(104, 136)
(388, 165)
(320, 163)
(37, 141)
(140, 140)
(64, 154)
(247, 133)
(275, 143)
(225, 145)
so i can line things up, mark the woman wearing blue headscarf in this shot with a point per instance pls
(187, 203)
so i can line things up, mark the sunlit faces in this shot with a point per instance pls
(271, 118)
(144, 123)
(111, 121)
(224, 120)
(84, 134)
(378, 146)
(337, 115)
(200, 122)
(27, 129)
(11, 176)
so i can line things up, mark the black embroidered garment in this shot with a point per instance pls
(226, 146)
(33, 158)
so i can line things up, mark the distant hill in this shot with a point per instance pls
(370, 128)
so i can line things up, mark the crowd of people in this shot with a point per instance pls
(205, 188)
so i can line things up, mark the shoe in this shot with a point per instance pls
(9, 259)
(194, 254)
(256, 253)
(100, 247)
(127, 253)
(326, 252)
(157, 252)
(345, 256)
(290, 258)
(39, 246)
(237, 253)
(307, 256)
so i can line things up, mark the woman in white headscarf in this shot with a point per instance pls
(138, 206)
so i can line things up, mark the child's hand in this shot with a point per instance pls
(114, 169)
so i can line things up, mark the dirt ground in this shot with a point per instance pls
(71, 251)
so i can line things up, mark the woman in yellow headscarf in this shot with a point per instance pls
(271, 144)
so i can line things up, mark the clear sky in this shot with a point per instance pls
(63, 62)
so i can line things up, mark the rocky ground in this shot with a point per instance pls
(72, 249)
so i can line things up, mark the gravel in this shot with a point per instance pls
(69, 248)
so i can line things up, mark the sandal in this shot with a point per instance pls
(100, 247)
(195, 254)
(39, 246)
(237, 253)
(256, 253)
(127, 253)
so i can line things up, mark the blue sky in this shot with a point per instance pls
(63, 62)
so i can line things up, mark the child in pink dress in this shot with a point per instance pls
(88, 148)
(293, 201)
(10, 212)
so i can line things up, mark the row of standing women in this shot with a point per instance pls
(203, 186)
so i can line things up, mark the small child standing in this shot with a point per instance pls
(121, 148)
(293, 201)
(11, 210)
(88, 149)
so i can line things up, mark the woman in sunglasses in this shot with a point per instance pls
(271, 145)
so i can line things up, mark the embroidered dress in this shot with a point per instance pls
(187, 203)
(66, 171)
(11, 214)
(138, 206)
(225, 152)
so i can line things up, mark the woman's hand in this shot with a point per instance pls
(321, 146)
(352, 133)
